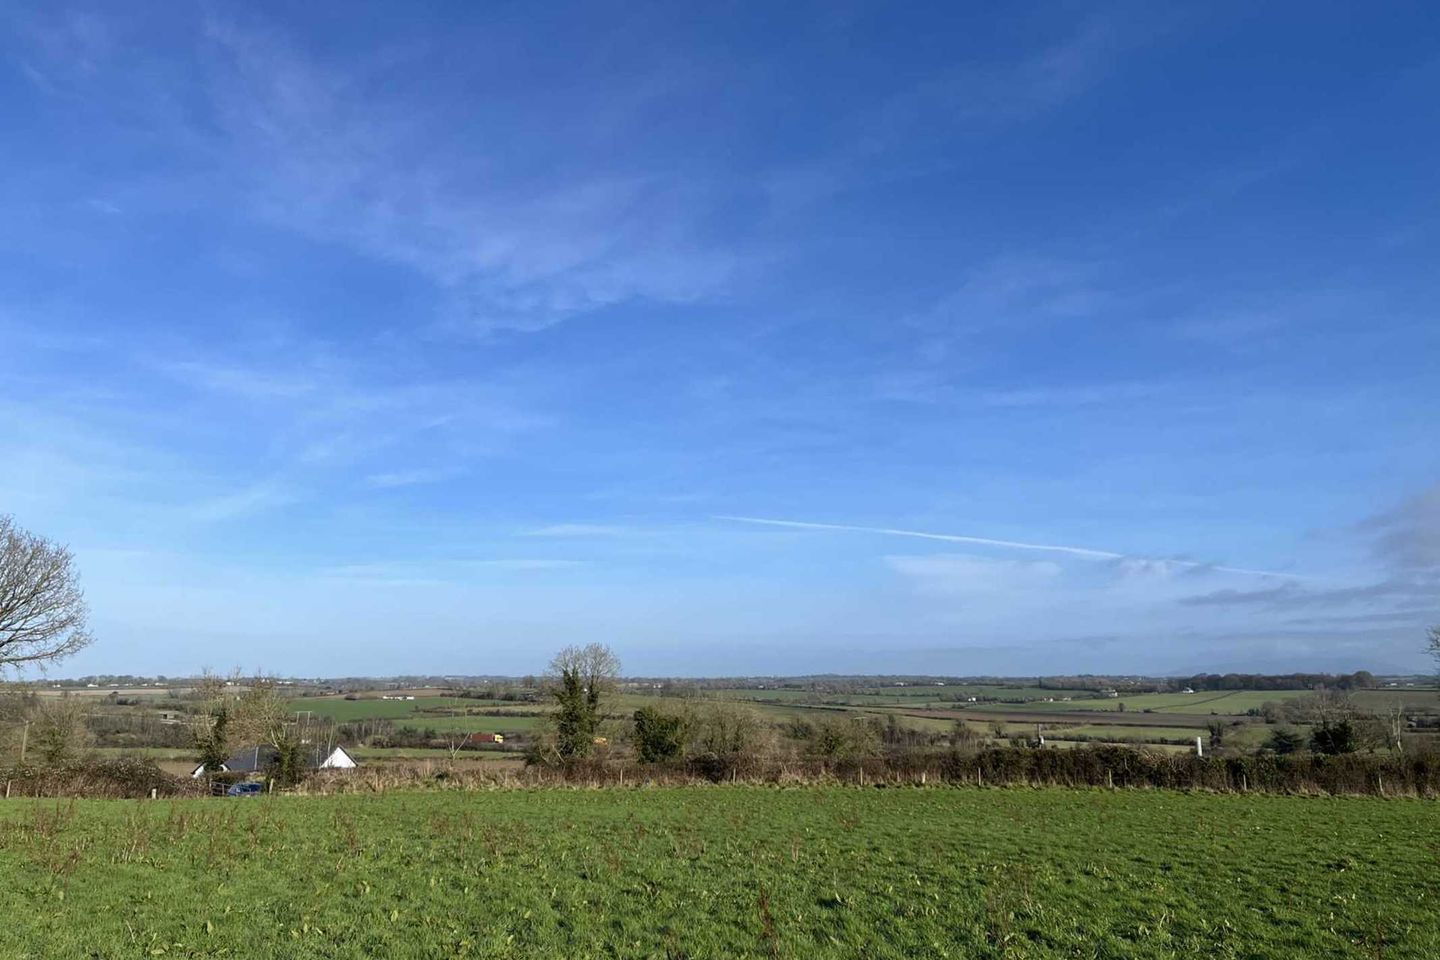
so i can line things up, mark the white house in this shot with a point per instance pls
(257, 759)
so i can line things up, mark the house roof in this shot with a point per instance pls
(256, 759)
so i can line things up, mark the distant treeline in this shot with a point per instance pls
(1359, 680)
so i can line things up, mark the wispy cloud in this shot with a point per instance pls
(443, 571)
(1086, 553)
(1408, 536)
(253, 499)
(335, 160)
(580, 530)
(1005, 91)
(954, 574)
(1095, 394)
(407, 478)
(248, 382)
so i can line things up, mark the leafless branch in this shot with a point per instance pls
(43, 614)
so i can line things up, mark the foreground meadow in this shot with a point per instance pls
(723, 872)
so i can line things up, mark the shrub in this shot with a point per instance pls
(659, 736)
(1284, 740)
(1334, 737)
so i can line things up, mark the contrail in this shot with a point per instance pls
(1085, 552)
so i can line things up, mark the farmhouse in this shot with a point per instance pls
(257, 759)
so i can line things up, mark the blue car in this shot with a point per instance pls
(248, 789)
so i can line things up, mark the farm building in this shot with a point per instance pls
(476, 738)
(257, 759)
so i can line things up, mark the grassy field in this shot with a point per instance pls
(915, 695)
(484, 724)
(341, 710)
(1427, 699)
(1117, 733)
(1206, 702)
(424, 712)
(723, 872)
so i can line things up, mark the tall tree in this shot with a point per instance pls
(58, 732)
(42, 608)
(578, 678)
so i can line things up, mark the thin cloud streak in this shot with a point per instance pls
(1083, 552)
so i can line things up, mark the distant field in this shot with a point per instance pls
(899, 696)
(45, 691)
(1231, 703)
(1123, 734)
(342, 711)
(478, 724)
(1411, 699)
(412, 713)
(424, 753)
(723, 872)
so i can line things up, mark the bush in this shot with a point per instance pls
(120, 778)
(659, 736)
(1284, 740)
(1334, 737)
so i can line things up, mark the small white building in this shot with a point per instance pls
(257, 759)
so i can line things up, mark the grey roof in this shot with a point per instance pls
(257, 759)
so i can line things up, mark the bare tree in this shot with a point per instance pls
(1394, 721)
(455, 741)
(261, 716)
(210, 726)
(1435, 647)
(42, 609)
(577, 679)
(58, 732)
(17, 705)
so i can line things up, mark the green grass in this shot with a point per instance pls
(1225, 703)
(416, 713)
(723, 872)
(434, 754)
(915, 695)
(341, 710)
(1118, 733)
(482, 724)
(1411, 698)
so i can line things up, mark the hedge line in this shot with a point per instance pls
(1098, 766)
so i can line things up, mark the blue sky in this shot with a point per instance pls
(346, 338)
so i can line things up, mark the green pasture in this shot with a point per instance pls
(1119, 733)
(436, 754)
(343, 711)
(475, 724)
(722, 872)
(908, 696)
(1419, 699)
(424, 712)
(1205, 702)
